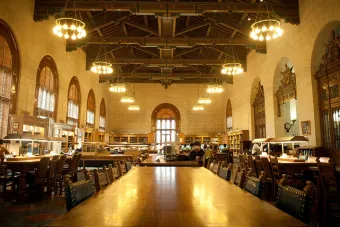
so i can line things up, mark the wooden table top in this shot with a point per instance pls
(172, 196)
(22, 162)
(151, 161)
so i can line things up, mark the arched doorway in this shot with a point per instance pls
(328, 83)
(9, 75)
(286, 119)
(165, 120)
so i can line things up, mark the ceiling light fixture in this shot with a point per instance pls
(204, 100)
(215, 88)
(118, 88)
(127, 99)
(133, 107)
(266, 29)
(232, 65)
(69, 27)
(198, 108)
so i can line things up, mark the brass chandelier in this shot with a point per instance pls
(70, 27)
(232, 65)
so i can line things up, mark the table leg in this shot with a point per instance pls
(22, 195)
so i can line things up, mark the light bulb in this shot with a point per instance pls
(264, 28)
(74, 37)
(261, 38)
(60, 34)
(257, 30)
(279, 32)
(66, 36)
(93, 68)
(274, 36)
(79, 36)
(83, 33)
(268, 37)
(65, 26)
(79, 29)
(55, 30)
(252, 34)
(271, 28)
(73, 27)
(255, 37)
(224, 71)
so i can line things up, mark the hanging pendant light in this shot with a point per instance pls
(204, 100)
(198, 108)
(266, 29)
(232, 65)
(133, 107)
(215, 88)
(118, 88)
(101, 65)
(69, 27)
(127, 99)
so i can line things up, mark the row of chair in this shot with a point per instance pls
(90, 182)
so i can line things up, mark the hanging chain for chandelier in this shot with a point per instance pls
(266, 29)
(118, 87)
(102, 66)
(70, 27)
(232, 65)
(129, 98)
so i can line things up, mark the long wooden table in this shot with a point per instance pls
(151, 161)
(173, 196)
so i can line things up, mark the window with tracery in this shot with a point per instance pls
(73, 102)
(91, 109)
(9, 71)
(102, 116)
(47, 88)
(229, 116)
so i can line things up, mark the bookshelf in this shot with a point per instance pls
(238, 140)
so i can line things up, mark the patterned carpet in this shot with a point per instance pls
(31, 214)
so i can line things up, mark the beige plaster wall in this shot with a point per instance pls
(296, 44)
(35, 40)
(184, 97)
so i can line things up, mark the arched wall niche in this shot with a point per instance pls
(229, 116)
(285, 95)
(163, 108)
(326, 69)
(257, 108)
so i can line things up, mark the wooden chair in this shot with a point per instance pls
(55, 157)
(7, 180)
(59, 173)
(122, 167)
(258, 165)
(239, 177)
(225, 171)
(277, 175)
(294, 201)
(255, 185)
(330, 188)
(270, 188)
(50, 176)
(77, 192)
(100, 178)
(128, 165)
(36, 178)
(251, 166)
(211, 166)
(71, 165)
(111, 177)
(243, 164)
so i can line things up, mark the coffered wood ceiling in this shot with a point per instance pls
(183, 41)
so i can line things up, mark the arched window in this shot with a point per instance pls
(165, 122)
(91, 109)
(229, 116)
(9, 75)
(47, 89)
(73, 102)
(102, 115)
(259, 113)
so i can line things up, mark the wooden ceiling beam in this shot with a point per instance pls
(192, 27)
(187, 51)
(176, 42)
(141, 27)
(145, 51)
(152, 8)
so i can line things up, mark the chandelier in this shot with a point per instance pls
(198, 108)
(266, 29)
(69, 27)
(133, 107)
(127, 99)
(232, 65)
(118, 88)
(232, 69)
(215, 88)
(102, 67)
(204, 100)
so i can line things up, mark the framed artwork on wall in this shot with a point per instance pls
(306, 128)
(15, 125)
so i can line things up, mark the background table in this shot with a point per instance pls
(151, 161)
(172, 196)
